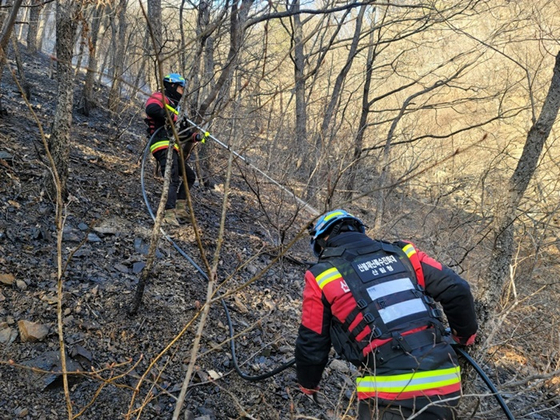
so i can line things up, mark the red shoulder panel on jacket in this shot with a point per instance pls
(156, 98)
(312, 308)
(429, 260)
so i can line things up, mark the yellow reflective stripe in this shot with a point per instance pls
(409, 250)
(170, 108)
(330, 216)
(163, 143)
(410, 381)
(159, 144)
(327, 276)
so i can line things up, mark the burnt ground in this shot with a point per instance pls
(107, 232)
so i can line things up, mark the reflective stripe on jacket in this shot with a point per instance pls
(409, 385)
(412, 255)
(376, 301)
(399, 309)
(328, 302)
(161, 145)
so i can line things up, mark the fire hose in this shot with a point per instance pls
(486, 380)
(201, 272)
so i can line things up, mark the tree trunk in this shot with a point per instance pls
(195, 88)
(322, 140)
(21, 70)
(80, 35)
(359, 141)
(3, 13)
(118, 64)
(329, 116)
(46, 30)
(237, 30)
(33, 27)
(103, 69)
(299, 77)
(154, 21)
(7, 28)
(490, 289)
(87, 94)
(59, 142)
(23, 16)
(208, 57)
(141, 73)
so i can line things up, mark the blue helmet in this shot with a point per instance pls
(327, 221)
(174, 78)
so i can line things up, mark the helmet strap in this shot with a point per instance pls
(345, 226)
(171, 91)
(322, 242)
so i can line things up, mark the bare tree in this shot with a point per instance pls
(26, 87)
(238, 18)
(67, 15)
(384, 179)
(323, 139)
(491, 287)
(154, 22)
(87, 101)
(299, 74)
(400, 112)
(42, 27)
(119, 56)
(366, 106)
(105, 40)
(33, 27)
(7, 29)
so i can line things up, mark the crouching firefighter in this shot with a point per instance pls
(374, 301)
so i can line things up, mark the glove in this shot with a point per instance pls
(184, 126)
(464, 341)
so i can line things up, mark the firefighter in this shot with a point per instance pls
(375, 303)
(156, 117)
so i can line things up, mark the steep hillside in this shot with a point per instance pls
(106, 237)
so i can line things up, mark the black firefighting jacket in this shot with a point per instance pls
(406, 343)
(156, 117)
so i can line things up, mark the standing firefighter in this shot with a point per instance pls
(174, 85)
(375, 302)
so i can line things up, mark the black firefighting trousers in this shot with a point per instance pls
(177, 190)
(367, 410)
